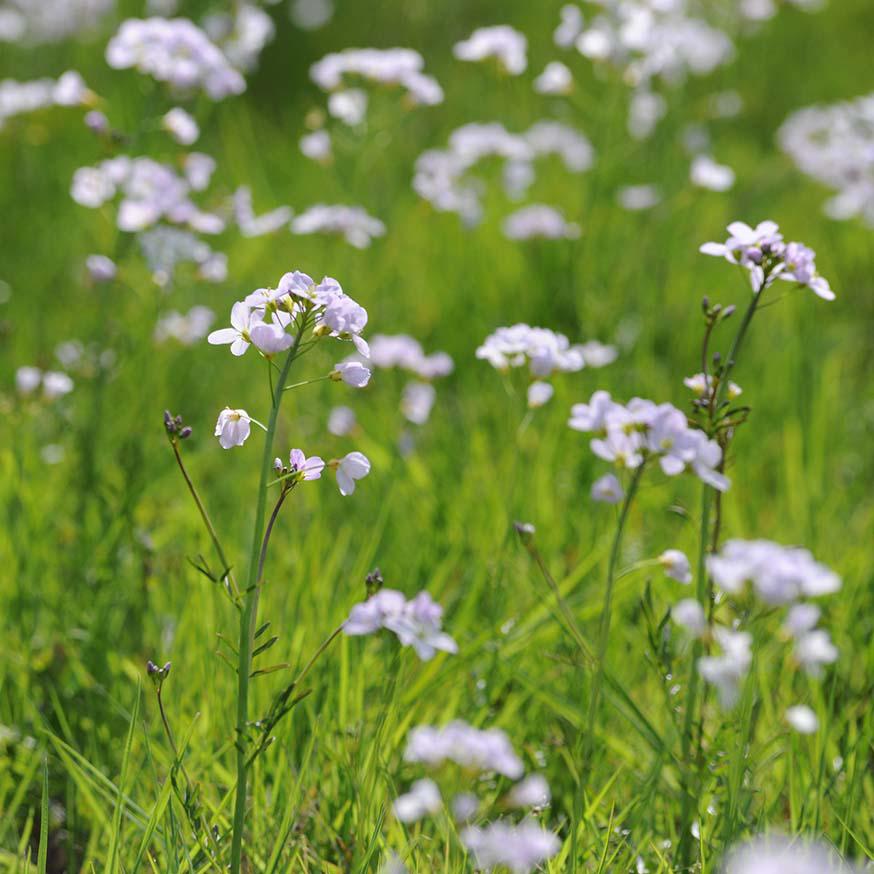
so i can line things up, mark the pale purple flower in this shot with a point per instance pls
(353, 373)
(417, 400)
(305, 468)
(316, 145)
(270, 337)
(539, 393)
(607, 489)
(570, 27)
(100, 268)
(232, 427)
(341, 421)
(472, 748)
(593, 415)
(676, 566)
(521, 848)
(351, 467)
(349, 106)
(815, 649)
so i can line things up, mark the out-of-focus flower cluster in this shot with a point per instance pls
(520, 845)
(27, 21)
(416, 622)
(351, 222)
(442, 175)
(18, 98)
(834, 144)
(629, 435)
(175, 51)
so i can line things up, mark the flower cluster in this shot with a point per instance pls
(164, 248)
(17, 98)
(150, 190)
(629, 435)
(519, 846)
(775, 854)
(54, 383)
(539, 221)
(763, 253)
(351, 222)
(175, 51)
(22, 21)
(263, 317)
(834, 144)
(443, 176)
(502, 42)
(417, 622)
(780, 576)
(185, 328)
(397, 66)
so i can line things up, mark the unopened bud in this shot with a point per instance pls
(705, 303)
(525, 530)
(185, 433)
(373, 581)
(728, 311)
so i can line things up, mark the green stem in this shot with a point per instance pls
(249, 614)
(606, 613)
(230, 584)
(691, 781)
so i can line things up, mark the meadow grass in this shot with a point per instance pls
(95, 551)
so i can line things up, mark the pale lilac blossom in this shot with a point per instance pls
(352, 373)
(689, 615)
(520, 848)
(539, 393)
(502, 42)
(422, 799)
(232, 427)
(802, 719)
(607, 489)
(351, 467)
(181, 126)
(556, 78)
(100, 268)
(676, 566)
(474, 749)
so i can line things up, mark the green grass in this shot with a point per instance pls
(94, 551)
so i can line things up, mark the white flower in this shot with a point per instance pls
(503, 42)
(232, 427)
(676, 566)
(348, 106)
(539, 393)
(352, 466)
(181, 126)
(814, 649)
(56, 384)
(422, 799)
(316, 145)
(417, 400)
(28, 379)
(635, 198)
(243, 319)
(727, 670)
(556, 78)
(353, 373)
(802, 719)
(706, 173)
(689, 614)
(607, 489)
(775, 854)
(341, 421)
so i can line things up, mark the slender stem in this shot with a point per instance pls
(691, 779)
(227, 575)
(607, 611)
(306, 382)
(249, 614)
(269, 530)
(317, 654)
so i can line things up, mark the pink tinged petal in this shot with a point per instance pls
(361, 345)
(239, 347)
(297, 459)
(314, 467)
(358, 464)
(712, 249)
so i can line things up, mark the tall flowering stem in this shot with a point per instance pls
(704, 591)
(249, 614)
